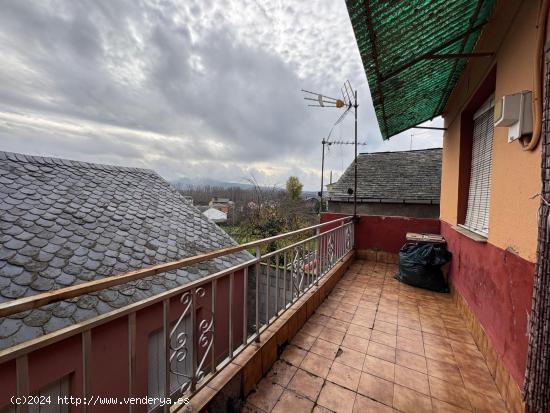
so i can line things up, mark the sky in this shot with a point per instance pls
(189, 88)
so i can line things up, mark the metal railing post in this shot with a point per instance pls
(258, 257)
(214, 293)
(245, 307)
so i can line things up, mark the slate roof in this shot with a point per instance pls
(402, 176)
(66, 222)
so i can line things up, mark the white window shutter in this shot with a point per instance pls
(479, 197)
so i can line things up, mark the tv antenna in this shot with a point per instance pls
(348, 101)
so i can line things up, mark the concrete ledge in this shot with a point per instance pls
(506, 385)
(239, 378)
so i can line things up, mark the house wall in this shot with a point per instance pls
(386, 209)
(109, 352)
(495, 278)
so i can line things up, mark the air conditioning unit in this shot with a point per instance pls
(515, 112)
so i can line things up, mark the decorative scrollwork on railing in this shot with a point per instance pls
(348, 238)
(298, 273)
(206, 338)
(330, 249)
(182, 344)
(179, 345)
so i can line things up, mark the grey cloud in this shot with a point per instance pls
(215, 83)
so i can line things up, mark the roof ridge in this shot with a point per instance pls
(412, 150)
(47, 160)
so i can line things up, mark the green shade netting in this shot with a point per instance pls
(391, 34)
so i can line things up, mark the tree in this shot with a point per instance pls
(294, 188)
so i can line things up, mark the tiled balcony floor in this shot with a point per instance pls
(376, 345)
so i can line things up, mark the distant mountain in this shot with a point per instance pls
(197, 182)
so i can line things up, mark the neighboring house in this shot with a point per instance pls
(222, 204)
(65, 222)
(403, 183)
(215, 215)
(461, 63)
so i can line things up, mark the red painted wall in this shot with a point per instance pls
(109, 353)
(497, 286)
(386, 233)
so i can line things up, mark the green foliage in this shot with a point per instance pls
(294, 188)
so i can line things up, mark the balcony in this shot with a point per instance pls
(308, 322)
(377, 345)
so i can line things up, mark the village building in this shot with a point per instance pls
(403, 183)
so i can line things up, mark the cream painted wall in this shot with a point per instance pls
(516, 173)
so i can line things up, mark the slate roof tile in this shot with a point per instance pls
(405, 175)
(65, 222)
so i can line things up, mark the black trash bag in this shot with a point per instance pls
(420, 266)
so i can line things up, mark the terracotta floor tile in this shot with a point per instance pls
(368, 303)
(291, 401)
(462, 335)
(482, 403)
(332, 335)
(348, 308)
(293, 355)
(324, 348)
(450, 393)
(385, 327)
(387, 317)
(359, 331)
(336, 398)
(303, 340)
(444, 407)
(380, 368)
(437, 328)
(316, 364)
(250, 408)
(468, 350)
(406, 333)
(311, 328)
(480, 380)
(409, 333)
(342, 315)
(266, 395)
(410, 401)
(321, 409)
(355, 343)
(410, 323)
(319, 319)
(383, 338)
(344, 376)
(350, 357)
(444, 371)
(412, 379)
(411, 360)
(306, 384)
(376, 388)
(324, 310)
(281, 372)
(435, 340)
(337, 325)
(411, 345)
(381, 351)
(365, 405)
(363, 321)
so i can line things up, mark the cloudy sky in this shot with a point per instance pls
(190, 88)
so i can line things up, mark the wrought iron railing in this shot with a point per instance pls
(206, 323)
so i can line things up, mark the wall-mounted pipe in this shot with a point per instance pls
(531, 144)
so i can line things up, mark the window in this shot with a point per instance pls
(479, 195)
(155, 361)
